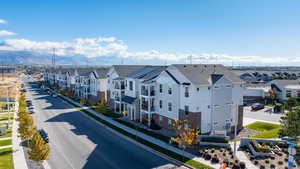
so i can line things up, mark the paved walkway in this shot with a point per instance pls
(3, 147)
(5, 138)
(18, 153)
(242, 156)
(144, 136)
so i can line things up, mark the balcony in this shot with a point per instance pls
(145, 92)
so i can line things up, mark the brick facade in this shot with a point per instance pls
(194, 118)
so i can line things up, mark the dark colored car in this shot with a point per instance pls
(44, 135)
(257, 106)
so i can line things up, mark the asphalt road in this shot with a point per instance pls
(78, 142)
(265, 114)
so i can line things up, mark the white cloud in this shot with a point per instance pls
(6, 33)
(111, 46)
(2, 21)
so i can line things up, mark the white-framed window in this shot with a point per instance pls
(169, 123)
(170, 90)
(169, 106)
(186, 110)
(160, 88)
(216, 87)
(198, 89)
(160, 104)
(186, 92)
(288, 93)
(130, 85)
(160, 119)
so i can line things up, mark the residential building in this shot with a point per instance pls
(286, 89)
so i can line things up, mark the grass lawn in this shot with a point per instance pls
(268, 130)
(6, 159)
(8, 134)
(5, 142)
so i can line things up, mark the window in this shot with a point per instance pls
(298, 93)
(130, 85)
(160, 88)
(169, 123)
(229, 86)
(186, 110)
(160, 119)
(170, 90)
(216, 87)
(169, 106)
(198, 89)
(186, 126)
(186, 91)
(288, 93)
(160, 104)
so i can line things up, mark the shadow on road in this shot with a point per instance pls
(111, 151)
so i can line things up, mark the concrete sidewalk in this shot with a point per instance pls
(5, 138)
(242, 156)
(18, 153)
(3, 147)
(144, 136)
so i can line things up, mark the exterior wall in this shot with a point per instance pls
(194, 118)
(166, 98)
(163, 121)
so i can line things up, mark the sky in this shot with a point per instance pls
(238, 32)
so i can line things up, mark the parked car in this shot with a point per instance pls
(54, 95)
(257, 106)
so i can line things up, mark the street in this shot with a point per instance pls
(78, 142)
(265, 114)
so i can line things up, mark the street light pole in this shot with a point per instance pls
(7, 104)
(235, 133)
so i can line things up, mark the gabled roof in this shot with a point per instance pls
(84, 71)
(126, 70)
(215, 78)
(101, 73)
(200, 74)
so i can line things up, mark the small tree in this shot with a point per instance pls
(26, 126)
(101, 108)
(39, 149)
(185, 136)
(273, 94)
(291, 124)
(290, 103)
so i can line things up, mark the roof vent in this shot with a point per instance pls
(195, 65)
(184, 65)
(205, 66)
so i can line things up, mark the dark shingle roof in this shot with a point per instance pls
(200, 74)
(126, 70)
(215, 78)
(101, 72)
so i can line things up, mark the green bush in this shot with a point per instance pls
(214, 139)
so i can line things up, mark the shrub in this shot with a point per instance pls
(286, 167)
(260, 148)
(224, 154)
(272, 165)
(286, 159)
(267, 161)
(280, 153)
(207, 157)
(215, 159)
(242, 165)
(255, 162)
(262, 167)
(273, 157)
(214, 139)
(212, 150)
(280, 162)
(252, 158)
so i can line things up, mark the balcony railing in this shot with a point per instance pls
(145, 106)
(144, 92)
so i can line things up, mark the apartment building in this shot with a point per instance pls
(286, 89)
(116, 84)
(210, 97)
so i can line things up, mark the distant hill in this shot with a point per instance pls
(26, 57)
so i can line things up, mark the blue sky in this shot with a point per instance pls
(242, 31)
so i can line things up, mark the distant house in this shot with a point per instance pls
(286, 88)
